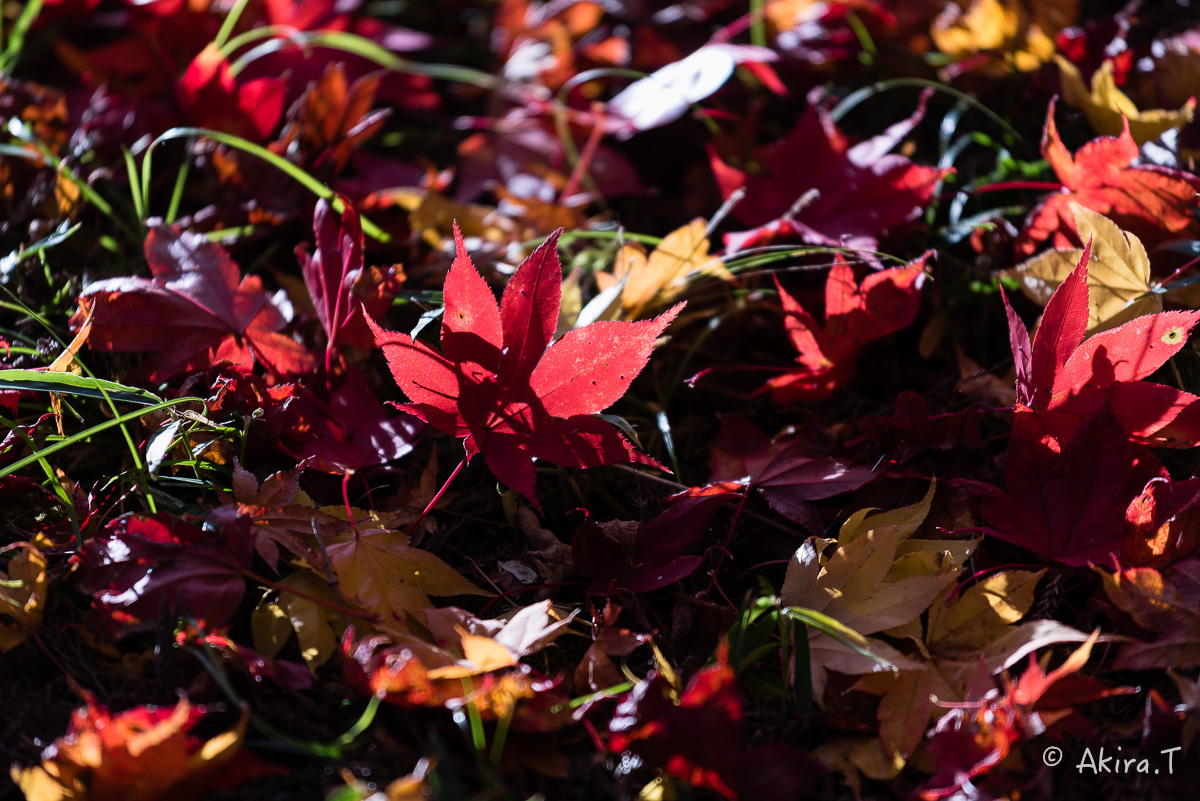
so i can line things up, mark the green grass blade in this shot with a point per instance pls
(70, 384)
(135, 189)
(854, 98)
(283, 165)
(20, 464)
(16, 37)
(231, 20)
(361, 46)
(838, 631)
(51, 478)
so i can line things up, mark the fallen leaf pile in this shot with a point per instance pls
(668, 401)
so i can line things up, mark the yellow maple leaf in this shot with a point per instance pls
(22, 595)
(1119, 283)
(379, 572)
(1019, 32)
(432, 216)
(964, 627)
(657, 279)
(318, 629)
(876, 579)
(1107, 107)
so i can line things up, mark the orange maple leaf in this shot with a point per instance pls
(1153, 203)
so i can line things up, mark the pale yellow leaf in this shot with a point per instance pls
(865, 584)
(1107, 107)
(1119, 272)
(1119, 282)
(905, 520)
(981, 613)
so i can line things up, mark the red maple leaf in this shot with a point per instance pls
(789, 472)
(974, 737)
(855, 314)
(145, 752)
(499, 384)
(1066, 497)
(211, 98)
(145, 567)
(1064, 374)
(1154, 203)
(196, 311)
(861, 190)
(700, 738)
(348, 431)
(337, 281)
(624, 555)
(1072, 471)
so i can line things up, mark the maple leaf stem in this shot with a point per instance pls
(585, 158)
(728, 540)
(1041, 186)
(436, 498)
(753, 368)
(346, 499)
(1177, 273)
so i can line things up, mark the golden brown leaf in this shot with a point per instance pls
(852, 756)
(432, 216)
(877, 578)
(379, 572)
(1020, 33)
(964, 627)
(22, 595)
(658, 278)
(332, 118)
